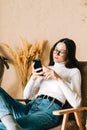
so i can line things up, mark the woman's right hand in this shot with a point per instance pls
(35, 73)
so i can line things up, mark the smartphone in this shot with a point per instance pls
(37, 64)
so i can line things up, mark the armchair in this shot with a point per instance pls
(80, 114)
(74, 118)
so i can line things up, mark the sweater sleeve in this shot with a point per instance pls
(30, 88)
(72, 89)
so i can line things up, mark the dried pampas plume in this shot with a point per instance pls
(22, 57)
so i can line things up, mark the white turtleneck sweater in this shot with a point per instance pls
(68, 88)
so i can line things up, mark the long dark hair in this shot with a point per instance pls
(71, 53)
(3, 63)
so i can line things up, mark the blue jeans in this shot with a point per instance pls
(36, 115)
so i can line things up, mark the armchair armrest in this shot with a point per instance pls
(66, 113)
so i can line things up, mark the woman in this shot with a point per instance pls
(58, 82)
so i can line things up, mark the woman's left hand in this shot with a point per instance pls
(50, 74)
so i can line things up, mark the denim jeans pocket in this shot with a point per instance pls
(45, 104)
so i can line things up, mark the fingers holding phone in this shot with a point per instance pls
(37, 68)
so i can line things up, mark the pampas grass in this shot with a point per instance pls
(22, 58)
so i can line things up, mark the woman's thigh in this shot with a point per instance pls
(40, 117)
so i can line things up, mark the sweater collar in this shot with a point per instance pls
(59, 64)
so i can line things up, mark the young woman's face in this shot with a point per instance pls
(60, 53)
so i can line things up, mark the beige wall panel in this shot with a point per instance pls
(35, 20)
